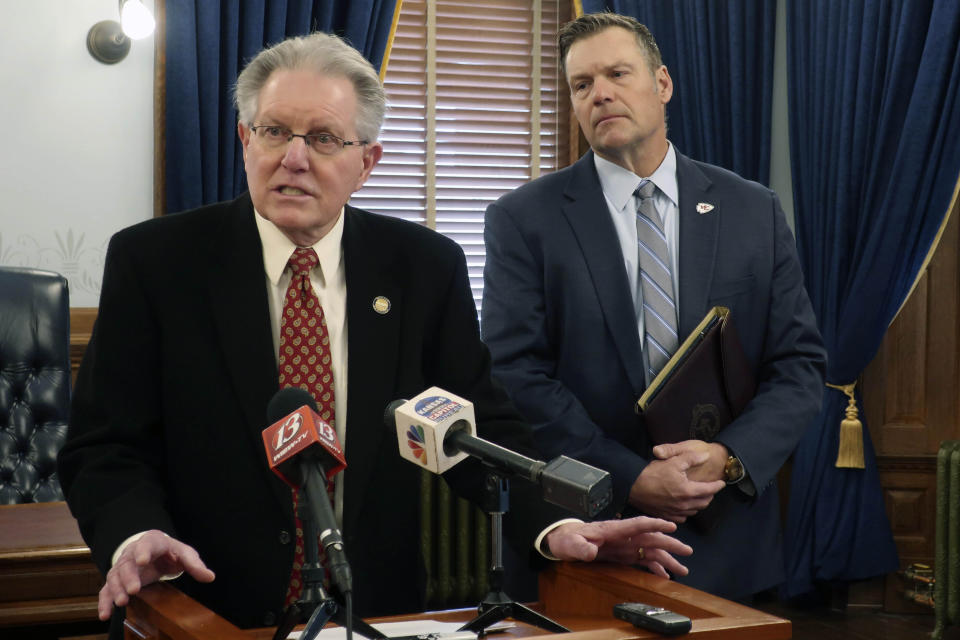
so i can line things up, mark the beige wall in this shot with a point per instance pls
(76, 140)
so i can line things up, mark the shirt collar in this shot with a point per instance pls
(619, 184)
(277, 248)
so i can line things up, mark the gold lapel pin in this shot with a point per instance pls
(381, 305)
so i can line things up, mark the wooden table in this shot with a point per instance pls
(578, 596)
(46, 573)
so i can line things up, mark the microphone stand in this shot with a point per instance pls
(315, 605)
(497, 605)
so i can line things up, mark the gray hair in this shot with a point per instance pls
(327, 55)
(593, 23)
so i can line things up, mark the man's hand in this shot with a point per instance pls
(709, 470)
(144, 561)
(640, 541)
(681, 482)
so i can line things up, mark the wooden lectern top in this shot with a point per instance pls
(577, 595)
(44, 529)
(46, 571)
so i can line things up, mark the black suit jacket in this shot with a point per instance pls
(171, 400)
(559, 319)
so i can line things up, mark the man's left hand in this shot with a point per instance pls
(639, 541)
(708, 471)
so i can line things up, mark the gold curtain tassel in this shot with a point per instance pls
(850, 449)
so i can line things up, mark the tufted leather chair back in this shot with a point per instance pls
(34, 383)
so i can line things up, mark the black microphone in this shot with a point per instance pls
(299, 444)
(437, 429)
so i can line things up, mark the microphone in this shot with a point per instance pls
(297, 428)
(299, 445)
(428, 419)
(437, 429)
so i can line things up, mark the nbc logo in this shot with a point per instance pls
(415, 442)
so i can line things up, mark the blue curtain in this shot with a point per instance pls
(720, 56)
(207, 44)
(874, 98)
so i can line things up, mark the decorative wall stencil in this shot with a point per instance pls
(68, 252)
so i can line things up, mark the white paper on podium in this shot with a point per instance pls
(407, 628)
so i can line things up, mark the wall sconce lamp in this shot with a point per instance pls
(109, 41)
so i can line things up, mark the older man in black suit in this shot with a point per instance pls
(164, 466)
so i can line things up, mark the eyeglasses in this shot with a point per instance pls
(326, 144)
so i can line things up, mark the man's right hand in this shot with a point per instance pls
(664, 490)
(145, 561)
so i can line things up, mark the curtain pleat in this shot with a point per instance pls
(874, 124)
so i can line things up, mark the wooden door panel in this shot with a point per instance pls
(911, 403)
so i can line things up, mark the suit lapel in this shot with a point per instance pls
(698, 242)
(372, 346)
(588, 215)
(239, 307)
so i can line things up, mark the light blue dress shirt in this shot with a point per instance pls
(618, 186)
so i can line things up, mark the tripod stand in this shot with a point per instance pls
(315, 605)
(497, 605)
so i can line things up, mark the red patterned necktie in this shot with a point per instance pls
(305, 362)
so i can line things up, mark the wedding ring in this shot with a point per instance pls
(640, 552)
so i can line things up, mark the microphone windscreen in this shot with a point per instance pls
(298, 432)
(286, 401)
(422, 424)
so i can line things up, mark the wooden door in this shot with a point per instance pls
(911, 394)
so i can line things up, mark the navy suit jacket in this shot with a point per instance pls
(171, 400)
(559, 320)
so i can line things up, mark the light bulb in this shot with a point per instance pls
(136, 20)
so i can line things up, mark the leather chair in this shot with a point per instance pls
(34, 383)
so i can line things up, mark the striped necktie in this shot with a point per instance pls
(659, 307)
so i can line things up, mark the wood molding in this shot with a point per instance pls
(46, 571)
(918, 464)
(81, 328)
(160, 111)
(911, 405)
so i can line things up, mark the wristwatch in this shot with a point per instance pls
(733, 471)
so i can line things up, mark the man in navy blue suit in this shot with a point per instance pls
(564, 299)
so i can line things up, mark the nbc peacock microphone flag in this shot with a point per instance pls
(424, 421)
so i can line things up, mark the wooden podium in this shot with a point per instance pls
(578, 596)
(46, 572)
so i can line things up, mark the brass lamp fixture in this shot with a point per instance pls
(109, 41)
